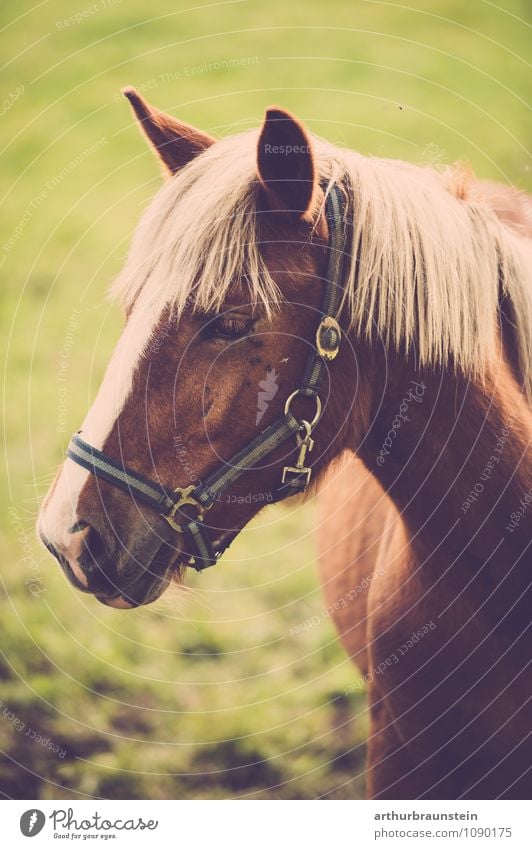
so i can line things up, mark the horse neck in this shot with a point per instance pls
(452, 455)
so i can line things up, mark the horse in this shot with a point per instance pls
(403, 401)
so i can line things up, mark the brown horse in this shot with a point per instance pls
(424, 538)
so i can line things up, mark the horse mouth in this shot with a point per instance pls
(149, 585)
(144, 590)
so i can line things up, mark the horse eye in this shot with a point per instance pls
(231, 327)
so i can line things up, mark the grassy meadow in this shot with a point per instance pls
(211, 693)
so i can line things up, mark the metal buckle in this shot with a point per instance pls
(317, 414)
(185, 497)
(304, 471)
(328, 352)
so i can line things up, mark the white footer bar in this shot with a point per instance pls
(266, 824)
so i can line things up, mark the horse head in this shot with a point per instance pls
(223, 292)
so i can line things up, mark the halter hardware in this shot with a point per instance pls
(328, 338)
(306, 444)
(317, 399)
(295, 479)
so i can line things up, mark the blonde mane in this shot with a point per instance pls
(424, 269)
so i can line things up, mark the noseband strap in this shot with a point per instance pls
(174, 506)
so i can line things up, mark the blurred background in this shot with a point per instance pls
(238, 687)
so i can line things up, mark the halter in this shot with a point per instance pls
(294, 480)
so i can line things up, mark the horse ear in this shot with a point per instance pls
(286, 164)
(175, 142)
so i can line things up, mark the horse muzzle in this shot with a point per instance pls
(124, 580)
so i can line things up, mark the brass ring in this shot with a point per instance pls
(186, 497)
(312, 424)
(307, 427)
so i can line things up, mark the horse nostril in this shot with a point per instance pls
(71, 567)
(84, 557)
(83, 548)
(78, 526)
(95, 553)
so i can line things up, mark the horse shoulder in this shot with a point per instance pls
(356, 522)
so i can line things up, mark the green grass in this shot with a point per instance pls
(206, 694)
